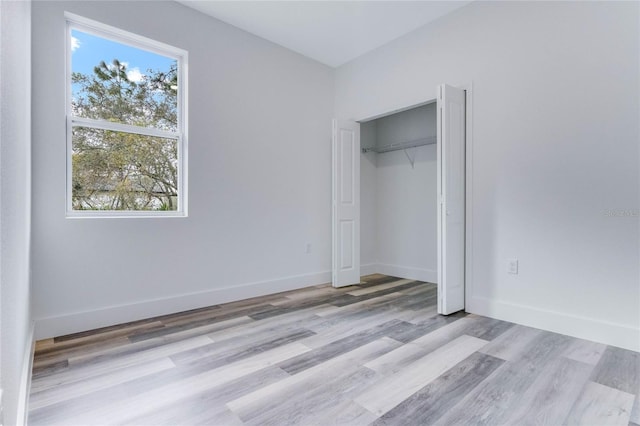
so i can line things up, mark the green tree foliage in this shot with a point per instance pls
(119, 170)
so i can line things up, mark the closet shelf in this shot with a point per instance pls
(402, 145)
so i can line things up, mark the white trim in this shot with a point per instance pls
(468, 188)
(369, 269)
(124, 214)
(118, 314)
(67, 99)
(408, 272)
(183, 127)
(121, 36)
(399, 108)
(334, 206)
(605, 332)
(439, 201)
(25, 378)
(126, 128)
(98, 29)
(375, 116)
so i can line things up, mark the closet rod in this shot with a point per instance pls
(402, 145)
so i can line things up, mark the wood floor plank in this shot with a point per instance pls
(620, 369)
(393, 329)
(424, 285)
(374, 288)
(221, 355)
(156, 399)
(511, 343)
(428, 404)
(391, 391)
(358, 306)
(601, 405)
(452, 327)
(377, 280)
(61, 412)
(487, 328)
(318, 290)
(397, 359)
(260, 401)
(490, 402)
(585, 351)
(93, 357)
(219, 317)
(333, 298)
(398, 301)
(442, 330)
(305, 318)
(552, 394)
(635, 412)
(91, 384)
(223, 417)
(208, 407)
(70, 348)
(49, 368)
(348, 299)
(90, 370)
(327, 333)
(99, 333)
(328, 399)
(415, 317)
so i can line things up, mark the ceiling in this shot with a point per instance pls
(331, 32)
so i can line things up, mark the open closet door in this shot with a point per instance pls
(451, 189)
(346, 203)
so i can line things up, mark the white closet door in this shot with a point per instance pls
(346, 203)
(451, 211)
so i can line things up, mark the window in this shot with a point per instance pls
(126, 117)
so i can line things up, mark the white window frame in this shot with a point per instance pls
(75, 22)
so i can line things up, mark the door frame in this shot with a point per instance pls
(468, 239)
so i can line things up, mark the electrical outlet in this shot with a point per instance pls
(512, 266)
(307, 248)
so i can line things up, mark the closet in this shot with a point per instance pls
(398, 194)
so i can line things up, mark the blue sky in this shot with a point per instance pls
(88, 50)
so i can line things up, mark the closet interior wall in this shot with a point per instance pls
(398, 195)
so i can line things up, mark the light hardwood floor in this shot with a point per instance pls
(376, 353)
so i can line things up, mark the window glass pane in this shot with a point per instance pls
(123, 171)
(120, 83)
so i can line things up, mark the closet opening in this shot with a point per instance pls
(399, 196)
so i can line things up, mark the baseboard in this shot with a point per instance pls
(609, 333)
(25, 378)
(112, 315)
(407, 272)
(368, 269)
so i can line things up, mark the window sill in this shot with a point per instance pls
(93, 214)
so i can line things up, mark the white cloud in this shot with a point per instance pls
(75, 43)
(135, 75)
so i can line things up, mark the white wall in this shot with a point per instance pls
(15, 209)
(555, 147)
(398, 200)
(407, 126)
(259, 178)
(368, 200)
(407, 214)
